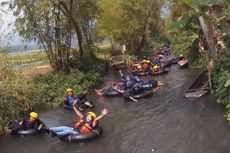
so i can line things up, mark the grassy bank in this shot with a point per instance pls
(30, 87)
(23, 58)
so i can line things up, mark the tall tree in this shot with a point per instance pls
(130, 21)
(44, 22)
(82, 16)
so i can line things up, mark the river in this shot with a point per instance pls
(164, 123)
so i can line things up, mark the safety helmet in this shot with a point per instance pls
(69, 90)
(147, 61)
(139, 66)
(181, 55)
(144, 61)
(34, 115)
(92, 114)
(145, 57)
(122, 80)
(135, 77)
(155, 67)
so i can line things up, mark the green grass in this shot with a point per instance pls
(21, 58)
(103, 51)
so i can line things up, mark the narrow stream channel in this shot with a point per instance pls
(164, 123)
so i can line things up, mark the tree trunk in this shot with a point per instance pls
(65, 10)
(143, 38)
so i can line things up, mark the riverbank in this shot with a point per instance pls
(221, 84)
(26, 88)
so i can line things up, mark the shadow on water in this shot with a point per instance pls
(164, 123)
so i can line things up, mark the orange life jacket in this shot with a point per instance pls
(83, 126)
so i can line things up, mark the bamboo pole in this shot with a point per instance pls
(212, 49)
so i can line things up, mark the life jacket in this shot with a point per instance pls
(83, 126)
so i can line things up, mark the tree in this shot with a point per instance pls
(42, 21)
(82, 16)
(130, 22)
(196, 15)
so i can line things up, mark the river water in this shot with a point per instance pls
(164, 123)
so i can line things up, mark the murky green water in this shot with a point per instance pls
(164, 123)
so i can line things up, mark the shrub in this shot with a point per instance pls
(221, 82)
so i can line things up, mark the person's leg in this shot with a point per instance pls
(58, 128)
(103, 90)
(13, 127)
(67, 131)
(89, 104)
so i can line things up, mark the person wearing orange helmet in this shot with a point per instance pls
(85, 124)
(31, 121)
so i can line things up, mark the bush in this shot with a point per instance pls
(221, 84)
(19, 95)
(52, 87)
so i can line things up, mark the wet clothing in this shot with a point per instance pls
(70, 100)
(106, 88)
(120, 87)
(129, 84)
(81, 126)
(156, 61)
(80, 100)
(26, 125)
(150, 85)
(63, 130)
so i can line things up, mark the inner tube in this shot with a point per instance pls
(68, 107)
(166, 64)
(112, 93)
(81, 105)
(142, 95)
(138, 96)
(84, 136)
(161, 71)
(140, 73)
(27, 132)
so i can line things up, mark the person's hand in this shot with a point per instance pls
(74, 102)
(85, 92)
(20, 123)
(65, 98)
(104, 111)
(40, 127)
(119, 71)
(160, 83)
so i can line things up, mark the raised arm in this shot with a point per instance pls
(121, 73)
(103, 113)
(79, 114)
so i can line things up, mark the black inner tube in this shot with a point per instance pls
(112, 93)
(83, 136)
(27, 132)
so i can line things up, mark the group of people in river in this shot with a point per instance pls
(154, 65)
(85, 125)
(131, 87)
